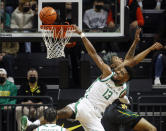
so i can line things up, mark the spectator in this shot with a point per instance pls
(7, 88)
(4, 17)
(135, 14)
(159, 57)
(1, 15)
(22, 18)
(32, 88)
(159, 66)
(135, 18)
(10, 5)
(7, 57)
(95, 20)
(96, 17)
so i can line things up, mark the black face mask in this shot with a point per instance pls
(98, 7)
(32, 79)
(2, 80)
(26, 9)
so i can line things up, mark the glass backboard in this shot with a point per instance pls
(74, 11)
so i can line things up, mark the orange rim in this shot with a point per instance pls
(50, 27)
(57, 29)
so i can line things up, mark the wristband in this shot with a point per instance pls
(82, 35)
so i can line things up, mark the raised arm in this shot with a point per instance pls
(105, 69)
(138, 58)
(131, 51)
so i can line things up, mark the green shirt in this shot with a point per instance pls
(9, 89)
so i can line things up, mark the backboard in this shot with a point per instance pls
(76, 16)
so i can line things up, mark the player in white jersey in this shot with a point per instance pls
(107, 88)
(50, 122)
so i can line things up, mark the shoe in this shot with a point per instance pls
(157, 81)
(158, 6)
(24, 123)
(82, 52)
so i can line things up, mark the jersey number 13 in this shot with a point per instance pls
(107, 94)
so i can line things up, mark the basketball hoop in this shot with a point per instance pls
(55, 38)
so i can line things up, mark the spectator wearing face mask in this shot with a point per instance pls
(31, 88)
(22, 18)
(96, 17)
(7, 88)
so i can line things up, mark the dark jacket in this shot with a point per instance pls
(25, 90)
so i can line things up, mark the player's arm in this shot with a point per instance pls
(131, 51)
(105, 69)
(138, 58)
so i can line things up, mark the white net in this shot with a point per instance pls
(56, 39)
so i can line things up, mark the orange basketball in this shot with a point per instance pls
(48, 15)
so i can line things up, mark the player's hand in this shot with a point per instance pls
(77, 30)
(156, 46)
(137, 34)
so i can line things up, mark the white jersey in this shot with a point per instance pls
(103, 92)
(50, 127)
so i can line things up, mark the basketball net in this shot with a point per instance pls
(55, 38)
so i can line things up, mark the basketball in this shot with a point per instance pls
(48, 15)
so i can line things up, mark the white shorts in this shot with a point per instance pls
(87, 115)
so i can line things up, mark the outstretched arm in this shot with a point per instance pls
(138, 58)
(131, 51)
(105, 69)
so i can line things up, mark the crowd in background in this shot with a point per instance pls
(22, 16)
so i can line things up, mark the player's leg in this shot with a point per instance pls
(144, 125)
(110, 120)
(66, 112)
(118, 114)
(19, 114)
(88, 115)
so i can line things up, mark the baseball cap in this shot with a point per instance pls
(3, 71)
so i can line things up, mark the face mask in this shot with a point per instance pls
(98, 7)
(32, 79)
(26, 9)
(2, 80)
